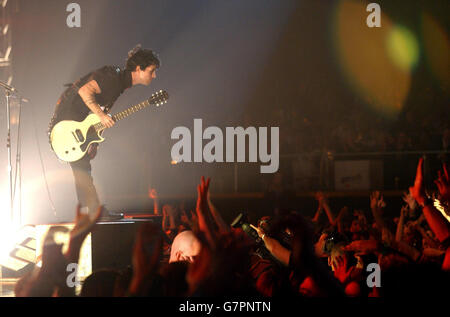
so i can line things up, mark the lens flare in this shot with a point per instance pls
(403, 48)
(436, 48)
(364, 59)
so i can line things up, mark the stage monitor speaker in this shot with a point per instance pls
(112, 242)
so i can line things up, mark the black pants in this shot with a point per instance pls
(84, 185)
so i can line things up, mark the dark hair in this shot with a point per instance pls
(100, 284)
(141, 57)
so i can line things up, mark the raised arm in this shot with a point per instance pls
(443, 184)
(153, 195)
(376, 204)
(339, 219)
(275, 248)
(319, 208)
(401, 220)
(221, 224)
(203, 212)
(438, 224)
(83, 226)
(324, 202)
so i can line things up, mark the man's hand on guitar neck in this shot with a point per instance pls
(106, 120)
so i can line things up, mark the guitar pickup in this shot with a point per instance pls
(78, 135)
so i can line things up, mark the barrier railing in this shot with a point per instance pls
(359, 171)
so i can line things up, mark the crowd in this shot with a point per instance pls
(357, 131)
(196, 253)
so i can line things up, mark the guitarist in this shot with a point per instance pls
(96, 92)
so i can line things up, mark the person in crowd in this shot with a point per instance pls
(285, 254)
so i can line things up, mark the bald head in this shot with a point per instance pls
(185, 247)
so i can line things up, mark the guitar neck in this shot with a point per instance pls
(123, 114)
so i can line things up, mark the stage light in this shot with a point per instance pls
(5, 29)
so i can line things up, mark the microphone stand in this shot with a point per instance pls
(8, 91)
(8, 147)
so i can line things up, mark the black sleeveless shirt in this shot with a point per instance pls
(112, 82)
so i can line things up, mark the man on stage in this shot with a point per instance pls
(96, 92)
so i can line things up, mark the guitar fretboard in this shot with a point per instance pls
(123, 114)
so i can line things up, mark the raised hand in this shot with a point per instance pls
(341, 270)
(152, 193)
(51, 276)
(202, 209)
(83, 226)
(224, 253)
(443, 184)
(221, 224)
(53, 260)
(437, 222)
(376, 200)
(404, 210)
(409, 199)
(418, 191)
(321, 198)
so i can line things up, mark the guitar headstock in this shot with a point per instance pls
(159, 98)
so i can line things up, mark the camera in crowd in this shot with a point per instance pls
(332, 240)
(284, 237)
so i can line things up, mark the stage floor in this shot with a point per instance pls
(7, 287)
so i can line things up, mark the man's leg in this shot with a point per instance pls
(86, 192)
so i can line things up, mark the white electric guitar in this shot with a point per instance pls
(70, 139)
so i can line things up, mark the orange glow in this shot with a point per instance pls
(436, 46)
(364, 59)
